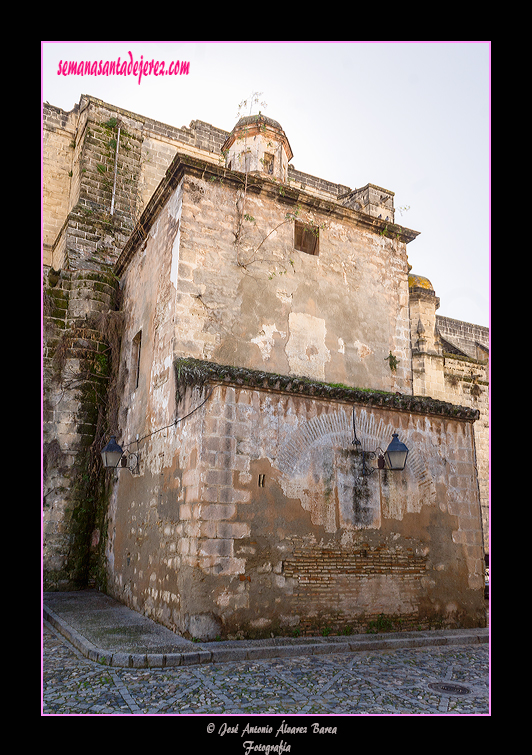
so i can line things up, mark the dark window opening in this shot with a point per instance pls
(135, 359)
(306, 238)
(268, 163)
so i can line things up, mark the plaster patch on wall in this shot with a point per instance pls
(284, 297)
(363, 350)
(175, 207)
(265, 340)
(306, 350)
(323, 469)
(374, 434)
(294, 454)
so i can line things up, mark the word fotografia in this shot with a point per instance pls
(250, 746)
(123, 68)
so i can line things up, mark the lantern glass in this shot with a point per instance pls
(396, 454)
(111, 454)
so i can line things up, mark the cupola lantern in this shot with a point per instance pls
(258, 145)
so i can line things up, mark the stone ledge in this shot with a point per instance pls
(196, 372)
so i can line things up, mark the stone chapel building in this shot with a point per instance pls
(252, 337)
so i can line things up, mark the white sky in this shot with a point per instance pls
(411, 117)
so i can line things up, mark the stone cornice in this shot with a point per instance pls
(196, 372)
(186, 164)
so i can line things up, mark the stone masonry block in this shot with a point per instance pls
(218, 477)
(217, 511)
(216, 547)
(211, 494)
(209, 530)
(235, 530)
(231, 495)
(185, 511)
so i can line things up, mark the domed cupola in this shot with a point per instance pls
(258, 145)
(423, 304)
(419, 281)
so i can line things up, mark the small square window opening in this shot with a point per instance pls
(268, 163)
(306, 238)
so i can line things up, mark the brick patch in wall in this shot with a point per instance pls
(339, 587)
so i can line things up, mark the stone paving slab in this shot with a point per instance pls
(220, 700)
(105, 631)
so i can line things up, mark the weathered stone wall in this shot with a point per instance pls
(253, 516)
(252, 513)
(59, 130)
(449, 363)
(472, 340)
(244, 295)
(104, 195)
(79, 151)
(76, 375)
(78, 171)
(467, 384)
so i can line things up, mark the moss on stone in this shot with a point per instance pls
(196, 372)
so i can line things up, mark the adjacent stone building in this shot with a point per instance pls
(450, 363)
(252, 337)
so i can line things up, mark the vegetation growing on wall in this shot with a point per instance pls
(253, 252)
(195, 372)
(82, 358)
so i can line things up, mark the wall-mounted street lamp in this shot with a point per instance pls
(396, 454)
(393, 458)
(114, 457)
(112, 454)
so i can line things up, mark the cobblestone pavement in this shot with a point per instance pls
(377, 682)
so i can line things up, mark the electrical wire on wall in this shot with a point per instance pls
(134, 465)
